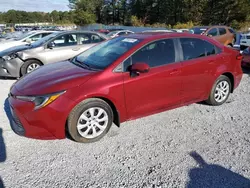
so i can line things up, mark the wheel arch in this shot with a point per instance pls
(29, 59)
(105, 99)
(231, 77)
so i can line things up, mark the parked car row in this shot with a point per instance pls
(120, 79)
(50, 48)
(223, 34)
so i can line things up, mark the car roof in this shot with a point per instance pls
(84, 31)
(155, 35)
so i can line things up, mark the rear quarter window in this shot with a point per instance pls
(196, 48)
(222, 31)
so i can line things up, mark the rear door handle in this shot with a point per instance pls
(174, 72)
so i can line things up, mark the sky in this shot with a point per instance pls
(34, 5)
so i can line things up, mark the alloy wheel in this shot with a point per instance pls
(32, 67)
(92, 122)
(221, 91)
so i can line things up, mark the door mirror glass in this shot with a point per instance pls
(140, 67)
(28, 40)
(51, 45)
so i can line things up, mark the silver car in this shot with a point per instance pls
(59, 46)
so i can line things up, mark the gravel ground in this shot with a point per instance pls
(194, 146)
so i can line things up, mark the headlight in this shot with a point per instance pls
(9, 57)
(41, 101)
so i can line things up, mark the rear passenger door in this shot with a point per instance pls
(198, 65)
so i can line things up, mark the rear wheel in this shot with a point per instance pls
(220, 91)
(90, 120)
(30, 66)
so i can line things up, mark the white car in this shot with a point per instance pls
(158, 31)
(114, 34)
(245, 41)
(26, 38)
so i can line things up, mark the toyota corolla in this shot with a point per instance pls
(121, 79)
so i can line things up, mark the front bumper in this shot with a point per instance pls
(45, 123)
(10, 68)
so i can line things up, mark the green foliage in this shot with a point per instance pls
(187, 25)
(154, 13)
(82, 17)
(13, 16)
(136, 22)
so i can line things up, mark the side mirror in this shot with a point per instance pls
(51, 45)
(28, 41)
(139, 68)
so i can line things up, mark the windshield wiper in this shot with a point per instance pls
(81, 64)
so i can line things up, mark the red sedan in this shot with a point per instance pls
(122, 79)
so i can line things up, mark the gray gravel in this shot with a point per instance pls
(194, 146)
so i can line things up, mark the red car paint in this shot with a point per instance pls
(161, 88)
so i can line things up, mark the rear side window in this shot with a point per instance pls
(231, 30)
(209, 48)
(213, 32)
(222, 31)
(195, 48)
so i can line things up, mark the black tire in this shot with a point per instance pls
(24, 68)
(79, 110)
(211, 100)
(242, 47)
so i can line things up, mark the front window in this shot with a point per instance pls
(65, 40)
(155, 54)
(43, 40)
(104, 54)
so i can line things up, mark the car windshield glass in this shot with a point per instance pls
(44, 39)
(197, 30)
(104, 54)
(23, 36)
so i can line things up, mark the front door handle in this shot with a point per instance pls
(76, 49)
(174, 72)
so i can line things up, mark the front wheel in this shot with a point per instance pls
(220, 91)
(30, 66)
(90, 120)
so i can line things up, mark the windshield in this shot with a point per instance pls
(43, 40)
(104, 54)
(197, 30)
(23, 36)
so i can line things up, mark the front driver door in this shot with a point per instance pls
(64, 48)
(159, 88)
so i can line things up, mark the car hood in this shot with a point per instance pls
(14, 49)
(8, 44)
(52, 78)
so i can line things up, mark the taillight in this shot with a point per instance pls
(239, 57)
